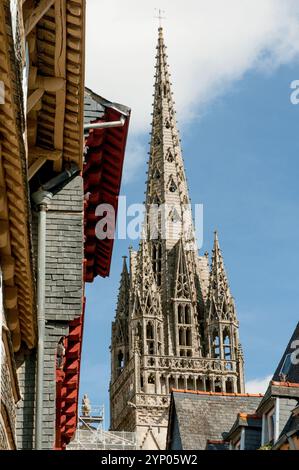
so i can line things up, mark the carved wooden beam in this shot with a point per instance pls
(60, 71)
(40, 156)
(49, 154)
(35, 15)
(34, 98)
(36, 165)
(51, 84)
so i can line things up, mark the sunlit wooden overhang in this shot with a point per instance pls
(54, 31)
(43, 131)
(15, 245)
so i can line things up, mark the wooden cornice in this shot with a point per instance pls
(55, 102)
(15, 246)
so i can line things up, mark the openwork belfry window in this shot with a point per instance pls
(185, 341)
(157, 261)
(229, 386)
(216, 344)
(150, 338)
(227, 344)
(120, 361)
(138, 338)
(184, 314)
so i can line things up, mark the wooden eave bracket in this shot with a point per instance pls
(40, 156)
(31, 20)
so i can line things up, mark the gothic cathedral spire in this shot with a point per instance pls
(166, 177)
(175, 323)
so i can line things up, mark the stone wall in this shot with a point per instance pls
(8, 387)
(64, 293)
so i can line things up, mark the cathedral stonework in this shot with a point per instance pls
(176, 325)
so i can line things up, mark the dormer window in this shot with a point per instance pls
(237, 445)
(270, 430)
(270, 425)
(238, 441)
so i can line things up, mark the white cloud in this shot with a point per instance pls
(211, 44)
(259, 385)
(135, 156)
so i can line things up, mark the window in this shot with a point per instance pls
(216, 344)
(226, 344)
(181, 313)
(237, 445)
(181, 383)
(187, 315)
(172, 186)
(169, 156)
(229, 386)
(149, 331)
(159, 344)
(217, 385)
(239, 441)
(188, 337)
(157, 261)
(120, 361)
(150, 339)
(151, 379)
(268, 431)
(182, 337)
(270, 425)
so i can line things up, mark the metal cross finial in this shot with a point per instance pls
(160, 16)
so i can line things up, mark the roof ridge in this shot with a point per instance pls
(201, 392)
(285, 384)
(249, 415)
(216, 441)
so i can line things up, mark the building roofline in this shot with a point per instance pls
(248, 415)
(215, 441)
(285, 384)
(200, 392)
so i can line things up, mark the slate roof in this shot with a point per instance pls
(206, 416)
(284, 385)
(291, 428)
(293, 373)
(102, 173)
(245, 420)
(217, 445)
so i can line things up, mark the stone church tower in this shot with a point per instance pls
(176, 324)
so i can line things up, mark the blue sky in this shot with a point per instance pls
(241, 158)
